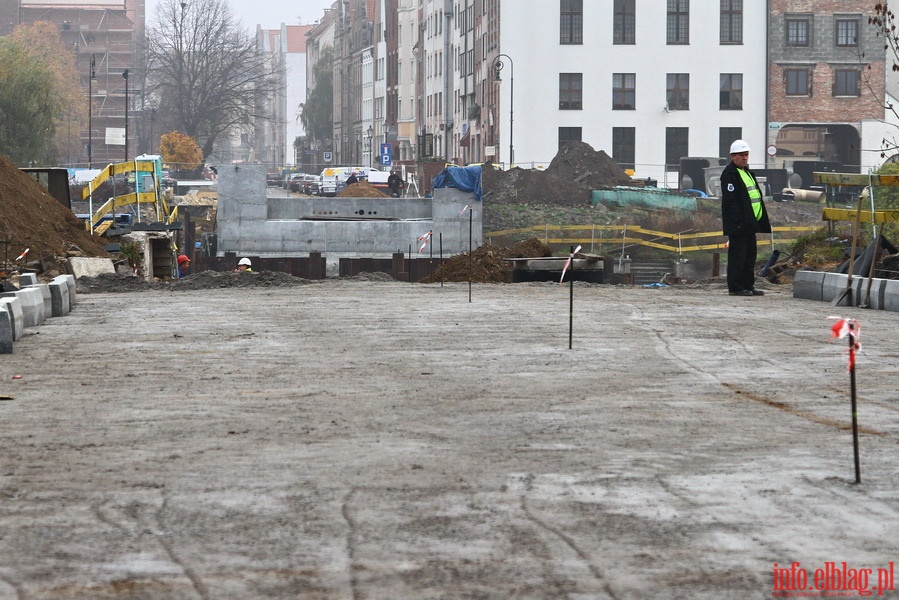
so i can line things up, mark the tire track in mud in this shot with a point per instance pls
(351, 543)
(723, 335)
(195, 579)
(136, 525)
(568, 541)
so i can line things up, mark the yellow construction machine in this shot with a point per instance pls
(147, 175)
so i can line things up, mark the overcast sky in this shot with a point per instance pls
(269, 13)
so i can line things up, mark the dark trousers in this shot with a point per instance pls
(741, 256)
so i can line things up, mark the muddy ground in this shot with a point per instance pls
(354, 439)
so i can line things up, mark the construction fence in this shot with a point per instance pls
(601, 239)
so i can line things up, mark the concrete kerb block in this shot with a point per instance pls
(833, 286)
(70, 283)
(10, 303)
(47, 299)
(59, 298)
(26, 279)
(32, 302)
(891, 295)
(6, 333)
(808, 285)
(876, 297)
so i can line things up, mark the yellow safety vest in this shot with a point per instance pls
(755, 196)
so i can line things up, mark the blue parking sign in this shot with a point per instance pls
(386, 154)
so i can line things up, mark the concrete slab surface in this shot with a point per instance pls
(381, 440)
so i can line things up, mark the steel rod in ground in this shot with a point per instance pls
(470, 257)
(570, 308)
(858, 473)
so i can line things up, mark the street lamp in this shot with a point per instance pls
(125, 77)
(90, 109)
(371, 134)
(498, 66)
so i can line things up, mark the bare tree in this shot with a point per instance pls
(204, 70)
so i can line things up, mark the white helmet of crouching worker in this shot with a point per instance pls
(244, 261)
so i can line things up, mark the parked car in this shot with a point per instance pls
(272, 180)
(296, 182)
(311, 185)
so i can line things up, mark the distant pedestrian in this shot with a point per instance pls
(395, 184)
(183, 266)
(352, 179)
(743, 215)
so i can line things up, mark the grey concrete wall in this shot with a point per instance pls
(251, 224)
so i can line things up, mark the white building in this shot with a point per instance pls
(647, 85)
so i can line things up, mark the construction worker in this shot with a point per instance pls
(743, 215)
(183, 266)
(395, 184)
(244, 265)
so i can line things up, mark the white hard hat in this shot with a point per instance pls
(739, 146)
(245, 261)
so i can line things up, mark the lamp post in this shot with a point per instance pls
(125, 77)
(371, 134)
(90, 108)
(498, 66)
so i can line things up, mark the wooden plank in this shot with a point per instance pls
(847, 214)
(839, 179)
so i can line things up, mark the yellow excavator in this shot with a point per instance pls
(147, 170)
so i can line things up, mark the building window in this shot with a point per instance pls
(731, 91)
(797, 82)
(845, 82)
(676, 146)
(624, 91)
(623, 150)
(847, 32)
(678, 97)
(572, 22)
(726, 137)
(731, 22)
(624, 22)
(678, 22)
(571, 91)
(798, 31)
(568, 135)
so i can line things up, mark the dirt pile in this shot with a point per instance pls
(361, 189)
(574, 172)
(31, 218)
(487, 263)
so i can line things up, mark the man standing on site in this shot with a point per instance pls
(743, 215)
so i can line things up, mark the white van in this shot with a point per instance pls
(334, 178)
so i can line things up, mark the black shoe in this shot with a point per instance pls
(741, 293)
(757, 293)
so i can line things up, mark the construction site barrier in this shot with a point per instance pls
(601, 237)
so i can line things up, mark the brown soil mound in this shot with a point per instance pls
(574, 172)
(361, 189)
(31, 218)
(488, 263)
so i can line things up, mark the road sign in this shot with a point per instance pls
(327, 157)
(386, 154)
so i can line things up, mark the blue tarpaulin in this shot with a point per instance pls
(467, 179)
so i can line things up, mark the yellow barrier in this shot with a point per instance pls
(630, 235)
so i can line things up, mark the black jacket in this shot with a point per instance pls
(737, 217)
